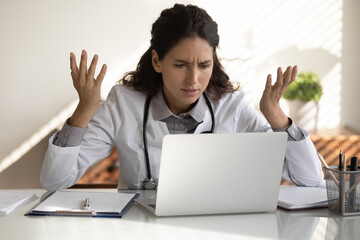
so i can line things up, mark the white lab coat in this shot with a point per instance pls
(118, 122)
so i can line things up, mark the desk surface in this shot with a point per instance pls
(138, 223)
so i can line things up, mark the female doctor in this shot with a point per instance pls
(179, 86)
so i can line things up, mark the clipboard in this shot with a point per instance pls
(71, 203)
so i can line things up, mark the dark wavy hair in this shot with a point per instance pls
(173, 25)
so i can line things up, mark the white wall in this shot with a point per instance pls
(350, 94)
(256, 37)
(25, 173)
(37, 37)
(268, 34)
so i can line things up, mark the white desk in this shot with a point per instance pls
(138, 223)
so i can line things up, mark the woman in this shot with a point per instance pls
(178, 82)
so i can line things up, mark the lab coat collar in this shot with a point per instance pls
(161, 110)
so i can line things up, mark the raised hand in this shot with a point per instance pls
(88, 88)
(270, 100)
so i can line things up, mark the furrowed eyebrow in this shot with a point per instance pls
(186, 62)
(181, 61)
(206, 62)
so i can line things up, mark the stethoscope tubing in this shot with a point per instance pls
(146, 154)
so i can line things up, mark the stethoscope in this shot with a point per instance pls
(149, 183)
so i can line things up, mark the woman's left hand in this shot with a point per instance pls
(270, 100)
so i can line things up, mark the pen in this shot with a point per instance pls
(342, 186)
(340, 159)
(344, 162)
(354, 164)
(86, 203)
(327, 166)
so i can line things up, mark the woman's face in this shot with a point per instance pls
(186, 70)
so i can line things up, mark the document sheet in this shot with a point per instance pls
(74, 201)
(294, 197)
(12, 199)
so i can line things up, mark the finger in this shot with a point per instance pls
(287, 76)
(73, 76)
(91, 72)
(290, 76)
(101, 75)
(286, 80)
(73, 66)
(279, 78)
(294, 73)
(83, 63)
(268, 82)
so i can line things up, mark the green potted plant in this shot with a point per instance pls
(303, 96)
(306, 87)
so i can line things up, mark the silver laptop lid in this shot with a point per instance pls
(220, 173)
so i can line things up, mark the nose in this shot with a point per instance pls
(192, 75)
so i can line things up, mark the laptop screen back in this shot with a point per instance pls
(220, 173)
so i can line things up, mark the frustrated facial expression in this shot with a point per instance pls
(186, 70)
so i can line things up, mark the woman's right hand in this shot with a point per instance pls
(88, 88)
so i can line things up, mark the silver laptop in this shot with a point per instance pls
(218, 174)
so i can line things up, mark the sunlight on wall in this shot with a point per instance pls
(258, 36)
(54, 123)
(255, 38)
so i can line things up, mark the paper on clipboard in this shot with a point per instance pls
(101, 203)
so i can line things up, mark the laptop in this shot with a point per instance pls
(218, 174)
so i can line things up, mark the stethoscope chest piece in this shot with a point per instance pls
(149, 184)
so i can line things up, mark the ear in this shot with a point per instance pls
(155, 61)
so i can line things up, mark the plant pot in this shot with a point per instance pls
(304, 114)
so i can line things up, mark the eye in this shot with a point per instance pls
(179, 65)
(204, 66)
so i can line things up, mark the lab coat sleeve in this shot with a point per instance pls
(63, 166)
(60, 169)
(302, 165)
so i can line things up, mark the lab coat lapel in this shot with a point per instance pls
(155, 134)
(156, 130)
